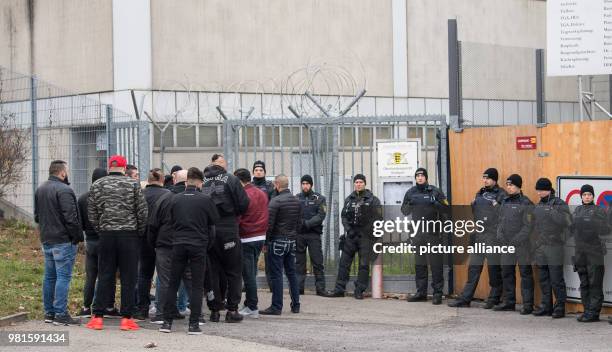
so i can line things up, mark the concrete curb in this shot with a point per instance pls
(14, 318)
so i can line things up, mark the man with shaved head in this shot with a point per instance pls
(160, 236)
(285, 217)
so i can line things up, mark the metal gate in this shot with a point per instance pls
(332, 150)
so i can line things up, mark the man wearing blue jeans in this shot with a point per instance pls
(285, 215)
(55, 211)
(252, 228)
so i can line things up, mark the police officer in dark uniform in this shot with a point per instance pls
(588, 228)
(485, 208)
(426, 202)
(361, 209)
(515, 225)
(309, 235)
(551, 217)
(225, 253)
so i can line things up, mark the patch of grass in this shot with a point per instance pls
(21, 272)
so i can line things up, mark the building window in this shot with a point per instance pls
(168, 134)
(185, 136)
(209, 136)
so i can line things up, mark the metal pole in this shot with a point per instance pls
(540, 118)
(580, 98)
(454, 77)
(34, 121)
(109, 131)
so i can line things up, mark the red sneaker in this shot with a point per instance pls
(128, 324)
(95, 324)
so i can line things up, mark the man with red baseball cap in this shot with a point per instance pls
(118, 211)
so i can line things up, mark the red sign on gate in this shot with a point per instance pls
(526, 143)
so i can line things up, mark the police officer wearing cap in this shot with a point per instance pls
(485, 208)
(551, 218)
(514, 229)
(588, 228)
(426, 202)
(309, 235)
(361, 209)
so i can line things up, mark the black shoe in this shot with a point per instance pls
(436, 300)
(490, 304)
(166, 326)
(178, 316)
(358, 295)
(270, 311)
(194, 329)
(321, 293)
(141, 315)
(301, 291)
(66, 320)
(526, 310)
(587, 318)
(295, 308)
(157, 319)
(542, 311)
(215, 316)
(558, 313)
(459, 303)
(49, 317)
(503, 307)
(84, 312)
(334, 293)
(201, 321)
(112, 313)
(233, 316)
(417, 298)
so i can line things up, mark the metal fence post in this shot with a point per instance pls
(34, 122)
(110, 133)
(454, 77)
(144, 155)
(541, 112)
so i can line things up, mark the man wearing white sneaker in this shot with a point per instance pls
(253, 225)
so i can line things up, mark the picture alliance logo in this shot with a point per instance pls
(412, 227)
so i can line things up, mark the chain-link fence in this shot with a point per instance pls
(64, 126)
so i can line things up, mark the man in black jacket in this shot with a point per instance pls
(426, 202)
(55, 211)
(515, 225)
(146, 264)
(259, 181)
(91, 253)
(160, 234)
(231, 201)
(192, 214)
(485, 208)
(361, 209)
(309, 235)
(552, 218)
(285, 216)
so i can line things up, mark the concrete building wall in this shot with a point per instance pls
(514, 24)
(219, 44)
(66, 42)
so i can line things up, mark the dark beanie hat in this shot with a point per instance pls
(587, 188)
(175, 168)
(306, 178)
(359, 177)
(260, 164)
(491, 173)
(516, 180)
(98, 173)
(543, 184)
(421, 171)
